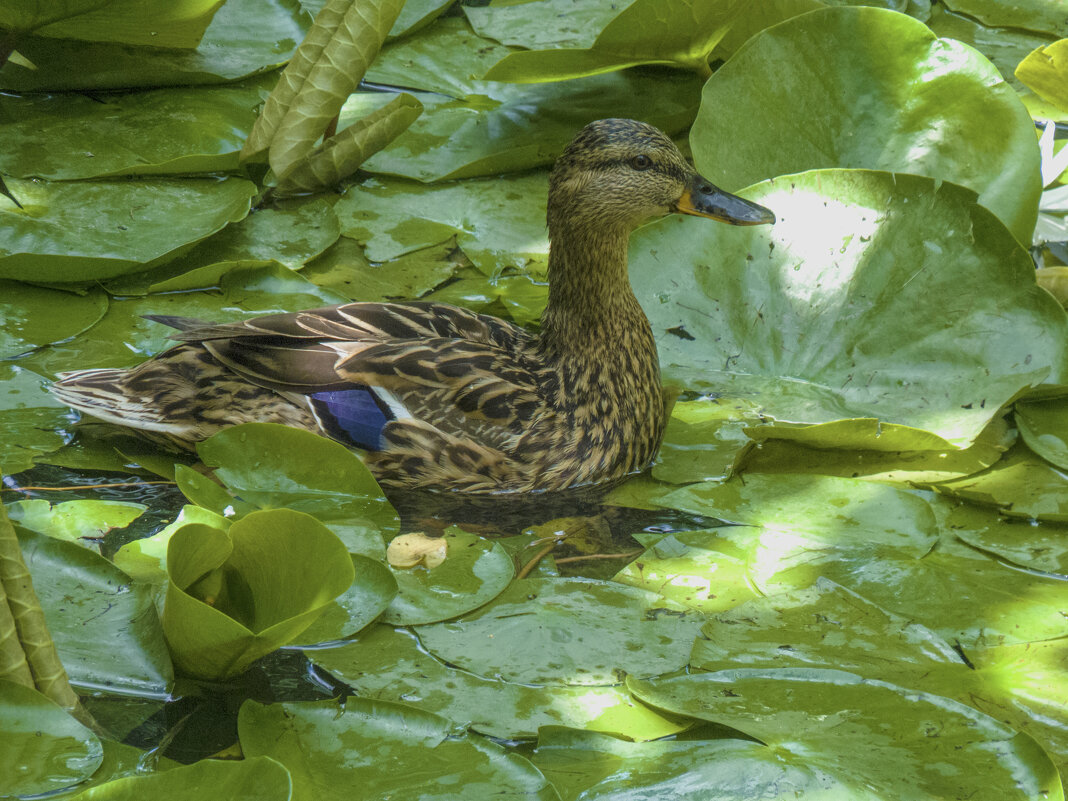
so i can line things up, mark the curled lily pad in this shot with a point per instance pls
(915, 100)
(81, 231)
(474, 572)
(388, 664)
(234, 596)
(339, 750)
(868, 738)
(567, 632)
(827, 314)
(367, 597)
(146, 559)
(43, 747)
(1045, 70)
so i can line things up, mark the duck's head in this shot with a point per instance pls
(617, 174)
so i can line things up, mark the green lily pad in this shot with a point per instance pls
(1020, 485)
(273, 466)
(367, 597)
(82, 231)
(387, 664)
(146, 559)
(43, 747)
(417, 14)
(826, 315)
(234, 596)
(704, 440)
(30, 319)
(124, 337)
(74, 520)
(869, 739)
(676, 32)
(703, 570)
(881, 543)
(905, 468)
(290, 234)
(475, 571)
(916, 100)
(344, 268)
(337, 751)
(543, 25)
(105, 627)
(567, 632)
(249, 779)
(1036, 546)
(1044, 428)
(484, 127)
(1029, 15)
(1006, 47)
(244, 37)
(596, 767)
(159, 132)
(498, 222)
(31, 420)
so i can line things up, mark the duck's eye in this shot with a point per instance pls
(641, 162)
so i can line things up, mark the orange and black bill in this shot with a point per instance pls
(703, 199)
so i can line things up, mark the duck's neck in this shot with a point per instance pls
(591, 305)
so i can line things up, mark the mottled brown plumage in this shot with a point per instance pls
(478, 404)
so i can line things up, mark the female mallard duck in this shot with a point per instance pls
(441, 397)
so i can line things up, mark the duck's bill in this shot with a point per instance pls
(702, 199)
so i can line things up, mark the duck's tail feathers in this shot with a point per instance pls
(106, 395)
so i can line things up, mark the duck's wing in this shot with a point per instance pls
(360, 367)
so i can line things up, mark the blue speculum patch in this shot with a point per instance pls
(355, 416)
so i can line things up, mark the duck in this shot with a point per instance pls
(439, 397)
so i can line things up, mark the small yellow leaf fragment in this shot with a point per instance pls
(1055, 281)
(409, 550)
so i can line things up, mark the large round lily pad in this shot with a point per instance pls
(375, 749)
(388, 664)
(874, 296)
(908, 104)
(870, 739)
(567, 632)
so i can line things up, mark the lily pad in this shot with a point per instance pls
(1029, 15)
(869, 739)
(475, 571)
(703, 570)
(676, 32)
(1045, 71)
(1020, 485)
(43, 747)
(567, 632)
(704, 440)
(366, 598)
(498, 222)
(30, 320)
(249, 779)
(337, 751)
(82, 231)
(915, 98)
(484, 127)
(104, 625)
(387, 664)
(826, 315)
(244, 37)
(32, 422)
(159, 132)
(74, 521)
(234, 596)
(1032, 545)
(273, 466)
(293, 232)
(596, 767)
(344, 268)
(543, 25)
(1044, 428)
